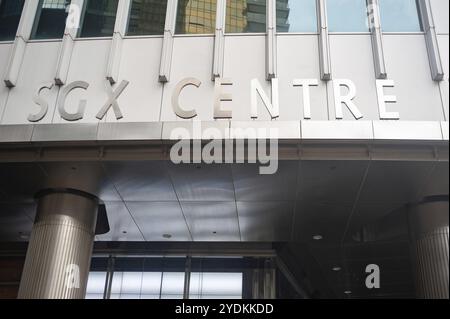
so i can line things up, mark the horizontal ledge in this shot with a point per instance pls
(301, 131)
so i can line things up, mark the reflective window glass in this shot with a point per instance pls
(50, 20)
(10, 12)
(196, 17)
(296, 16)
(215, 286)
(400, 16)
(147, 17)
(246, 16)
(99, 18)
(166, 285)
(347, 16)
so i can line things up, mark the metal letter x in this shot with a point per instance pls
(112, 100)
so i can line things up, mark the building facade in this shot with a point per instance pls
(265, 148)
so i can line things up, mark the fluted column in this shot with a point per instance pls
(430, 235)
(60, 248)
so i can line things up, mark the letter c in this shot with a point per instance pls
(176, 97)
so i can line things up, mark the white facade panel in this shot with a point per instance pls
(443, 42)
(351, 58)
(88, 63)
(394, 130)
(418, 97)
(440, 10)
(337, 130)
(298, 58)
(38, 68)
(245, 61)
(192, 58)
(141, 100)
(4, 55)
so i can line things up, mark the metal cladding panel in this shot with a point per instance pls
(298, 58)
(4, 55)
(192, 58)
(141, 101)
(88, 63)
(123, 227)
(418, 97)
(153, 220)
(351, 58)
(440, 10)
(245, 61)
(212, 221)
(443, 42)
(33, 74)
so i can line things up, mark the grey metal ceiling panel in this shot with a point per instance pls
(202, 182)
(436, 184)
(366, 214)
(265, 221)
(122, 225)
(212, 221)
(141, 181)
(395, 181)
(330, 181)
(21, 181)
(250, 185)
(160, 221)
(15, 224)
(313, 219)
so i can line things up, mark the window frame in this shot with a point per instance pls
(244, 33)
(128, 19)
(175, 15)
(83, 16)
(421, 24)
(36, 21)
(348, 32)
(301, 32)
(17, 28)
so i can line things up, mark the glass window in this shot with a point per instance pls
(166, 285)
(215, 286)
(400, 16)
(96, 285)
(296, 16)
(50, 20)
(347, 16)
(147, 17)
(196, 17)
(99, 18)
(10, 12)
(245, 16)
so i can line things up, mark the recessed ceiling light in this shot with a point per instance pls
(23, 236)
(317, 237)
(337, 268)
(348, 292)
(167, 236)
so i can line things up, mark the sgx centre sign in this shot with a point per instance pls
(344, 94)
